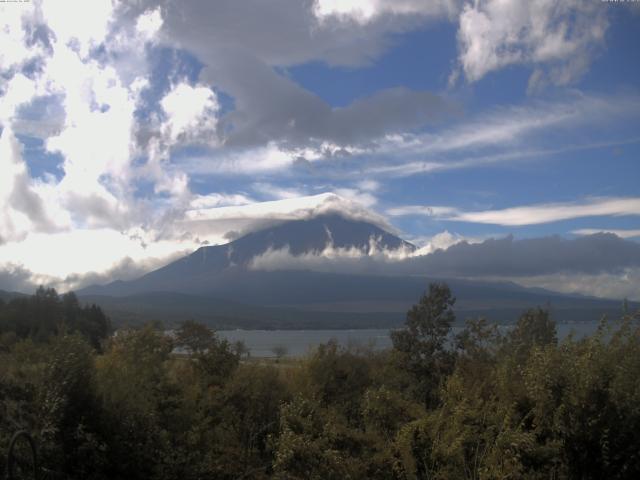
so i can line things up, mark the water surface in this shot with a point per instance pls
(262, 343)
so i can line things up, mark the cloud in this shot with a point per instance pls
(19, 45)
(601, 265)
(539, 130)
(429, 211)
(246, 161)
(191, 112)
(76, 85)
(22, 209)
(441, 241)
(276, 192)
(534, 130)
(559, 39)
(86, 24)
(592, 254)
(242, 219)
(365, 11)
(20, 279)
(371, 259)
(368, 185)
(271, 107)
(125, 269)
(530, 214)
(282, 32)
(366, 199)
(619, 285)
(534, 262)
(509, 126)
(360, 194)
(618, 232)
(76, 258)
(77, 251)
(149, 23)
(552, 212)
(14, 278)
(245, 48)
(473, 160)
(213, 200)
(19, 90)
(80, 107)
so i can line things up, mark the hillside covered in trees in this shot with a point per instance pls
(479, 405)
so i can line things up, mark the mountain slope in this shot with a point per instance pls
(296, 299)
(7, 296)
(216, 285)
(201, 271)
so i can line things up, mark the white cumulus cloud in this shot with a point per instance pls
(558, 38)
(191, 112)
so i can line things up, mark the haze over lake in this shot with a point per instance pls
(262, 343)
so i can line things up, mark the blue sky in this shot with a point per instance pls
(154, 127)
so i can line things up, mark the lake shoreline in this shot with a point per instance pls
(297, 343)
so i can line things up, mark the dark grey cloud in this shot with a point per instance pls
(546, 261)
(591, 254)
(280, 32)
(506, 257)
(25, 200)
(246, 47)
(125, 269)
(16, 279)
(270, 106)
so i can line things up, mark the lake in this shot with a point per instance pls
(261, 343)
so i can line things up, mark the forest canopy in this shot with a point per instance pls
(482, 404)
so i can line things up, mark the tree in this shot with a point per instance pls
(534, 328)
(194, 337)
(213, 356)
(135, 396)
(46, 314)
(251, 412)
(338, 377)
(421, 346)
(279, 351)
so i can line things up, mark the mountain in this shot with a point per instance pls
(216, 285)
(207, 267)
(171, 308)
(7, 296)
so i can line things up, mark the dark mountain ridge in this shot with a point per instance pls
(202, 269)
(216, 284)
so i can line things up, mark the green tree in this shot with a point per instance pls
(338, 377)
(534, 327)
(215, 357)
(252, 398)
(139, 403)
(46, 314)
(196, 338)
(421, 346)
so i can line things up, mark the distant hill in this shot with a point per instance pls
(215, 285)
(201, 271)
(298, 299)
(171, 308)
(6, 296)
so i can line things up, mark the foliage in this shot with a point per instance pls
(482, 404)
(46, 313)
(421, 346)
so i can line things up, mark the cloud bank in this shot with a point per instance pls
(531, 214)
(543, 262)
